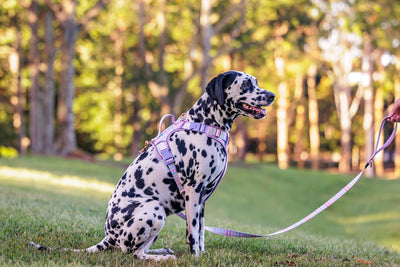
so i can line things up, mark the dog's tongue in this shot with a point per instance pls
(259, 110)
(262, 111)
(256, 110)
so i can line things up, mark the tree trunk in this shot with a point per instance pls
(158, 86)
(282, 121)
(346, 108)
(117, 90)
(35, 110)
(135, 121)
(188, 73)
(17, 99)
(313, 116)
(299, 118)
(66, 139)
(368, 126)
(299, 126)
(241, 140)
(262, 127)
(345, 140)
(342, 95)
(206, 31)
(282, 115)
(367, 68)
(65, 115)
(49, 89)
(161, 90)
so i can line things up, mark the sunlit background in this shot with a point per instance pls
(91, 79)
(80, 78)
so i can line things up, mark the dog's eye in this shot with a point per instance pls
(247, 85)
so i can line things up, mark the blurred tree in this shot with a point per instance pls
(340, 49)
(300, 120)
(367, 70)
(65, 14)
(35, 91)
(372, 21)
(49, 87)
(314, 54)
(226, 29)
(141, 59)
(283, 99)
(17, 97)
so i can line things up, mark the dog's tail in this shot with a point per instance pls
(102, 245)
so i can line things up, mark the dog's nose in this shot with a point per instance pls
(271, 97)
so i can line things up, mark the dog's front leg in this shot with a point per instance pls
(201, 228)
(193, 209)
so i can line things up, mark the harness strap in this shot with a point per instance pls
(161, 143)
(232, 233)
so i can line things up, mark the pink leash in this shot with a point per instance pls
(232, 233)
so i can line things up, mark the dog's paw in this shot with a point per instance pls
(149, 257)
(161, 251)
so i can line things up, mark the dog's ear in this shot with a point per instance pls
(215, 88)
(229, 78)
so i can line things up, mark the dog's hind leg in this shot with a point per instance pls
(102, 245)
(142, 230)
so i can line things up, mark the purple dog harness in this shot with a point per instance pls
(161, 144)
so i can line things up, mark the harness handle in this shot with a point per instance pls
(386, 144)
(162, 121)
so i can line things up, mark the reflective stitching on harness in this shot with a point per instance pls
(161, 144)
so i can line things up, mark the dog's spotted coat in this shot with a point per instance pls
(146, 194)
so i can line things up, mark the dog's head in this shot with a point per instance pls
(238, 92)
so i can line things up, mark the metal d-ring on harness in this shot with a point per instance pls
(161, 144)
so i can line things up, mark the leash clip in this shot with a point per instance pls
(146, 146)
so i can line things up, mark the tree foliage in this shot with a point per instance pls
(133, 61)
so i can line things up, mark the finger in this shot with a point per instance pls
(394, 118)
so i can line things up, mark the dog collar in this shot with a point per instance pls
(161, 143)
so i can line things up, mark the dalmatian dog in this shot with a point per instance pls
(147, 193)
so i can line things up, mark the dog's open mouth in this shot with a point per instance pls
(256, 112)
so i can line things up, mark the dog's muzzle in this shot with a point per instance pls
(256, 110)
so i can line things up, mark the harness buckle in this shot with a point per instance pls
(167, 156)
(195, 127)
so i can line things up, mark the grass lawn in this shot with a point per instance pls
(61, 203)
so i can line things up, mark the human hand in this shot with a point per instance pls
(394, 115)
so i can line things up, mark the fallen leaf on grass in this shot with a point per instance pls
(294, 255)
(287, 262)
(365, 262)
(291, 263)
